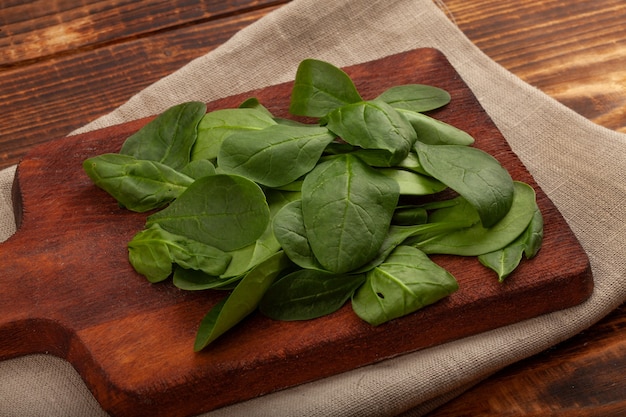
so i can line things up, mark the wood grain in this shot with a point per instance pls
(49, 96)
(132, 342)
(35, 31)
(566, 380)
(573, 50)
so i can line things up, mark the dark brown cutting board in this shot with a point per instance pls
(67, 289)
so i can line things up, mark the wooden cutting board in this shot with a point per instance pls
(66, 287)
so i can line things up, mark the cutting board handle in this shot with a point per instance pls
(60, 228)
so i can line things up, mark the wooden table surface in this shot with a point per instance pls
(63, 64)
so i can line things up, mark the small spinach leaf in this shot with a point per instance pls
(319, 88)
(407, 281)
(192, 280)
(506, 260)
(152, 252)
(415, 97)
(169, 137)
(275, 156)
(409, 216)
(472, 173)
(533, 235)
(288, 227)
(307, 294)
(244, 299)
(477, 239)
(412, 183)
(412, 163)
(254, 103)
(198, 169)
(385, 136)
(138, 185)
(435, 132)
(397, 235)
(225, 211)
(217, 125)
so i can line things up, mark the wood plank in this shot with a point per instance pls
(132, 341)
(37, 30)
(562, 381)
(573, 50)
(80, 87)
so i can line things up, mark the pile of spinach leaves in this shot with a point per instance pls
(297, 219)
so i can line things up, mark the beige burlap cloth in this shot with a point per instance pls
(578, 164)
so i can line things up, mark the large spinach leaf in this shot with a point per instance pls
(347, 208)
(275, 156)
(225, 211)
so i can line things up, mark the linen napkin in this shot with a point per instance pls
(578, 164)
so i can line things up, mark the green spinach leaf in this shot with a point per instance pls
(199, 168)
(477, 239)
(409, 216)
(397, 235)
(266, 245)
(169, 137)
(244, 299)
(415, 97)
(288, 227)
(412, 163)
(347, 208)
(217, 125)
(152, 252)
(412, 183)
(275, 156)
(193, 280)
(385, 136)
(407, 281)
(507, 259)
(138, 185)
(533, 235)
(225, 211)
(254, 103)
(435, 132)
(307, 294)
(319, 88)
(472, 173)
